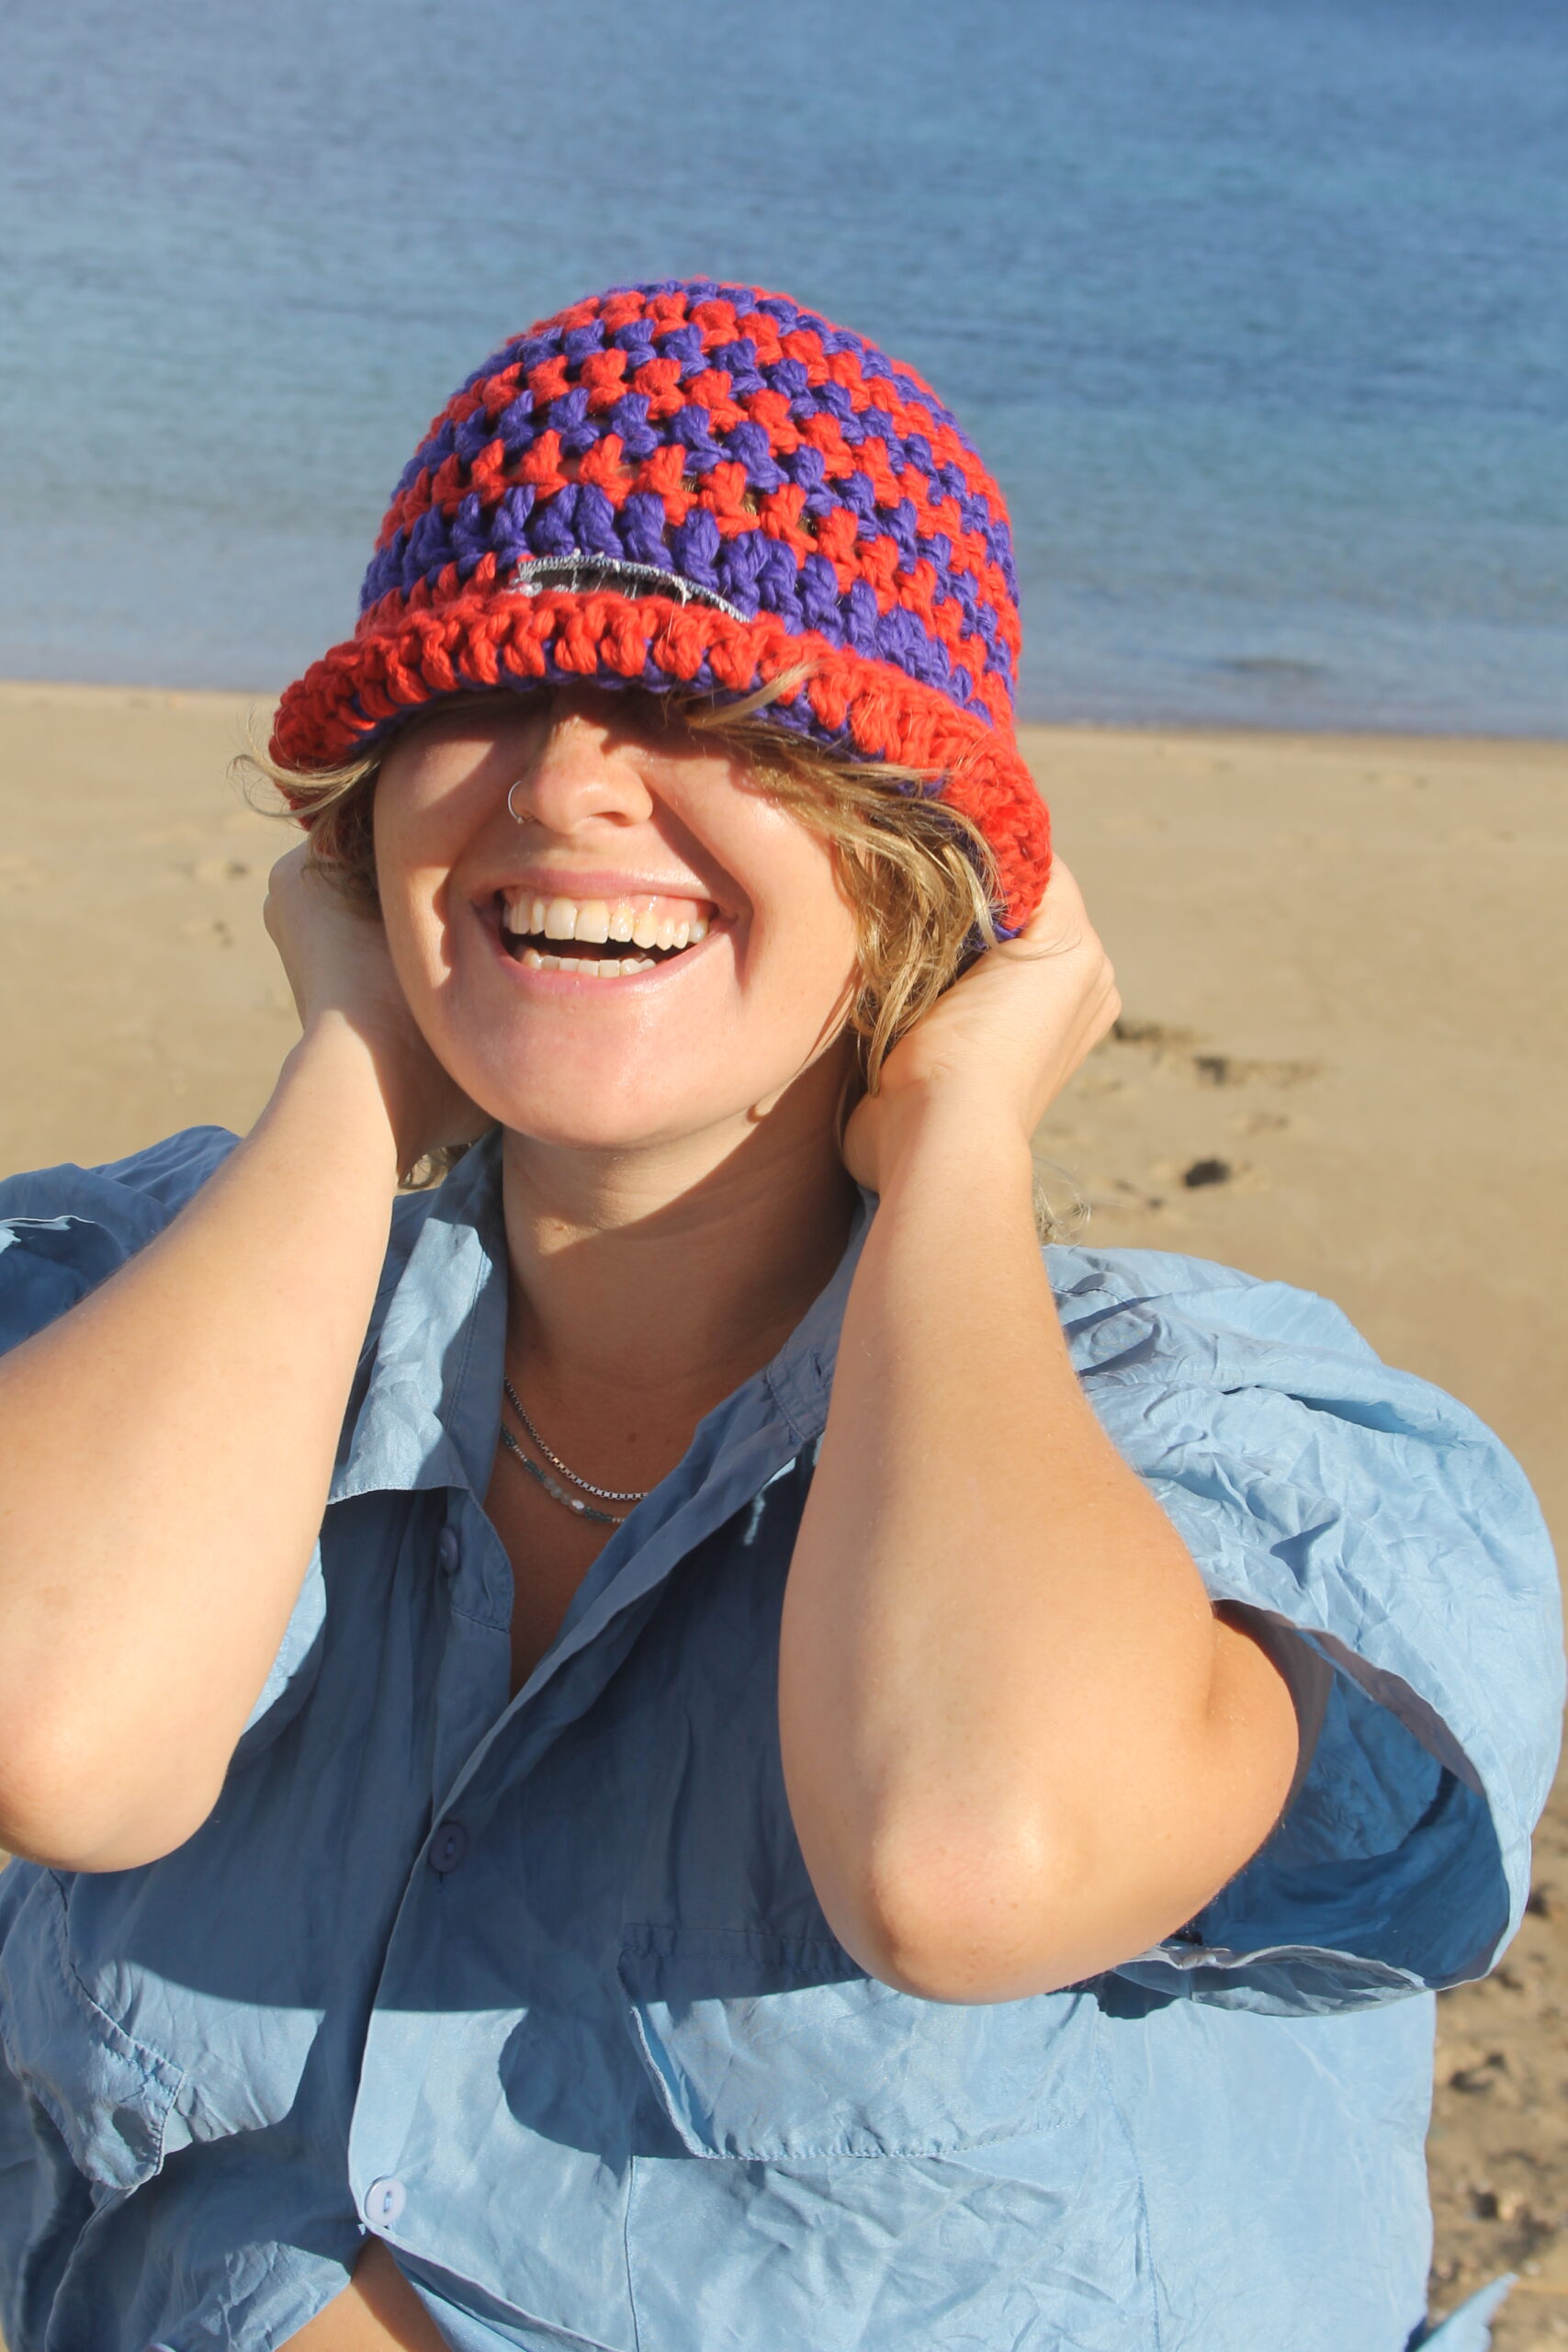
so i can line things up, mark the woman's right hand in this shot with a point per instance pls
(337, 963)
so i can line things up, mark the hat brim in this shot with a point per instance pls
(409, 652)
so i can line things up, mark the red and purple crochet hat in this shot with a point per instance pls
(695, 486)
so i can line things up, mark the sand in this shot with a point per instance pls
(1341, 1063)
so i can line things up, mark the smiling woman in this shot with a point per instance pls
(682, 1740)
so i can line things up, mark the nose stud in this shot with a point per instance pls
(518, 817)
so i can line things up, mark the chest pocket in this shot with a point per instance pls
(110, 2097)
(771, 2049)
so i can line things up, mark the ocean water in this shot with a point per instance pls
(1258, 308)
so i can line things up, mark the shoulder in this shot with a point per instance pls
(1178, 1352)
(64, 1230)
(143, 1191)
(1186, 1298)
(1300, 1467)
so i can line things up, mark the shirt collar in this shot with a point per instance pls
(426, 1399)
(425, 1406)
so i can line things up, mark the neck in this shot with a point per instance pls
(666, 1275)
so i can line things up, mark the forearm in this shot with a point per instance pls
(167, 1451)
(1018, 1744)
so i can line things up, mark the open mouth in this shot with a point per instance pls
(606, 939)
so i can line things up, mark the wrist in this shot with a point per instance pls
(346, 1075)
(957, 1129)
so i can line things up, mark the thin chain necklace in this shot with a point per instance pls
(551, 1487)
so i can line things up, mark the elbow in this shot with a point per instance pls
(66, 1803)
(998, 1912)
(950, 1913)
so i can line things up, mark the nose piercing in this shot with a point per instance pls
(523, 816)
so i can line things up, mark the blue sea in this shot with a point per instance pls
(1258, 308)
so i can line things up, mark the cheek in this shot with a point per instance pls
(801, 930)
(804, 952)
(411, 875)
(805, 984)
(412, 941)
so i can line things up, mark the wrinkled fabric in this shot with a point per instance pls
(539, 1991)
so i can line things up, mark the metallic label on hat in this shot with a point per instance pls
(580, 574)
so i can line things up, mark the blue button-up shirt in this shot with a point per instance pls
(538, 1990)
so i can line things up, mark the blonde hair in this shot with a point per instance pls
(917, 875)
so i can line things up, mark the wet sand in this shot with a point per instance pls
(1341, 1064)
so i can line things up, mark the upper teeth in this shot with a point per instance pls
(599, 919)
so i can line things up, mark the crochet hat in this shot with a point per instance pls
(703, 487)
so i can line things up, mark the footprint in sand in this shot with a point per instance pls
(1235, 1069)
(1258, 1122)
(1130, 1031)
(1169, 1045)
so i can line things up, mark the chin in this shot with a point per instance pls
(627, 1069)
(574, 1116)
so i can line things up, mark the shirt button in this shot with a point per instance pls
(448, 1551)
(449, 1847)
(383, 2200)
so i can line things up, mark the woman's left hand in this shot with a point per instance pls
(1004, 1040)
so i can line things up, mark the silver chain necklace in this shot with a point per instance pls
(551, 1487)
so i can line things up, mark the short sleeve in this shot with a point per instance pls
(1384, 1525)
(62, 1231)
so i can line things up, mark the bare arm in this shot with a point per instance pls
(1019, 1745)
(168, 1444)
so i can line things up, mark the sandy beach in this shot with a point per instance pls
(1341, 1064)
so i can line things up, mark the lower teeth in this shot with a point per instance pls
(604, 968)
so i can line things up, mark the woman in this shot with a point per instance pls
(675, 1743)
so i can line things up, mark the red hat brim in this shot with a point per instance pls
(408, 653)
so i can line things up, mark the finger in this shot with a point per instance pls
(1060, 925)
(1062, 908)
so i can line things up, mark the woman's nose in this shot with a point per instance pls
(583, 772)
